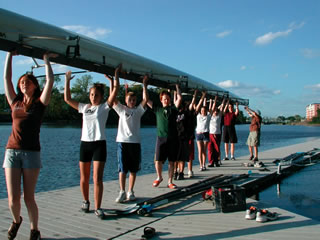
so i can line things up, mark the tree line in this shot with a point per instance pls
(59, 111)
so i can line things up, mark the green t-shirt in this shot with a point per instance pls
(166, 121)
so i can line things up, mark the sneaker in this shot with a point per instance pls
(251, 213)
(233, 158)
(190, 174)
(99, 213)
(211, 165)
(175, 175)
(13, 230)
(35, 235)
(225, 159)
(204, 168)
(121, 197)
(251, 157)
(259, 164)
(255, 159)
(217, 164)
(131, 196)
(180, 176)
(85, 206)
(200, 169)
(264, 215)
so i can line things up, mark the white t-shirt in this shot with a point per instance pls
(215, 124)
(203, 123)
(94, 120)
(129, 123)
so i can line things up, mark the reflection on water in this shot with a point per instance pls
(60, 152)
(298, 193)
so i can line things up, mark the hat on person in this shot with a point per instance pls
(258, 112)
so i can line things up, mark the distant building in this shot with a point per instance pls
(312, 111)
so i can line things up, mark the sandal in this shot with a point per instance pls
(172, 186)
(156, 182)
(148, 232)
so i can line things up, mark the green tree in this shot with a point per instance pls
(80, 89)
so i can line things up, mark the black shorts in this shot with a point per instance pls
(96, 151)
(166, 148)
(229, 134)
(129, 157)
(183, 150)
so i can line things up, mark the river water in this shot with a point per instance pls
(60, 159)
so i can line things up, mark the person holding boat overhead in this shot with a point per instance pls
(22, 156)
(229, 130)
(214, 153)
(167, 135)
(253, 140)
(128, 138)
(93, 138)
(202, 131)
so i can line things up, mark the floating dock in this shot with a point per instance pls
(187, 218)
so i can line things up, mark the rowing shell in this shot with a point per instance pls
(32, 38)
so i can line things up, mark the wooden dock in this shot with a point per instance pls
(188, 218)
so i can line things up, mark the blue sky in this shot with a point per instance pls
(266, 51)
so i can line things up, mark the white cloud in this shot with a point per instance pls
(247, 90)
(310, 53)
(88, 31)
(243, 68)
(270, 36)
(229, 84)
(223, 34)
(314, 87)
(24, 61)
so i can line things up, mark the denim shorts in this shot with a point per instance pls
(203, 137)
(15, 158)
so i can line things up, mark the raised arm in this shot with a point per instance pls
(110, 78)
(67, 94)
(177, 102)
(46, 92)
(115, 90)
(210, 105)
(226, 106)
(7, 77)
(200, 102)
(145, 91)
(193, 101)
(214, 105)
(237, 109)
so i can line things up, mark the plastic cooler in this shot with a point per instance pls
(229, 198)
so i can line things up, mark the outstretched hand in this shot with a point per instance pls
(48, 55)
(145, 80)
(68, 76)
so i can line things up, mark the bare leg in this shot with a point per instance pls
(232, 149)
(170, 171)
(13, 180)
(158, 165)
(181, 166)
(256, 151)
(30, 177)
(122, 180)
(199, 145)
(132, 180)
(250, 150)
(226, 148)
(84, 179)
(98, 168)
